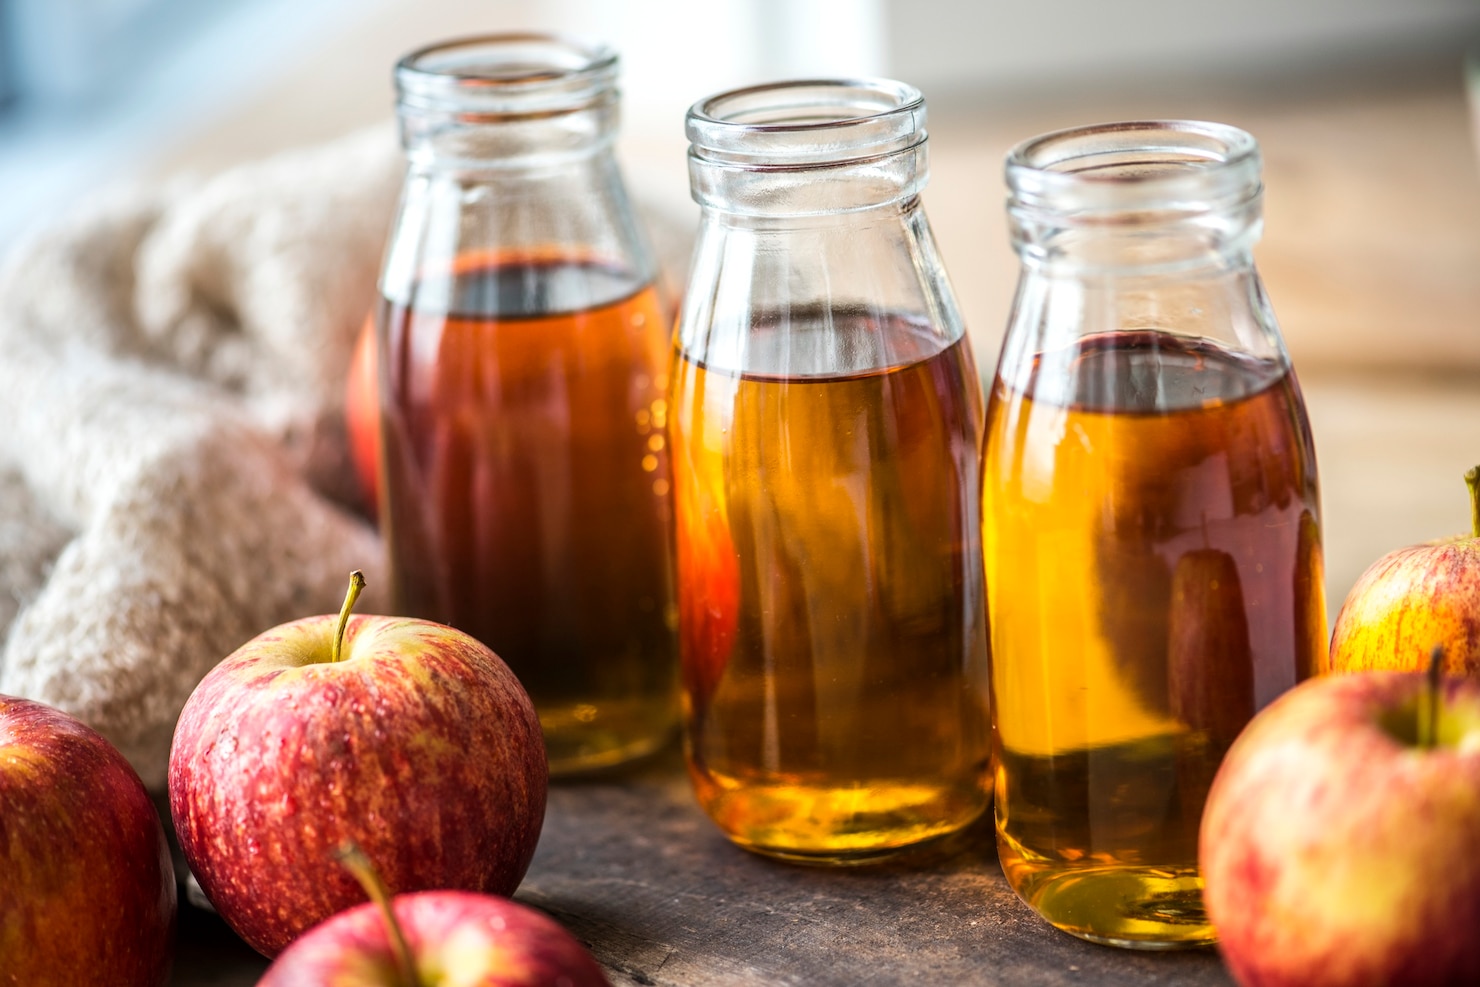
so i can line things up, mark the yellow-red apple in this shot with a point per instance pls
(362, 414)
(87, 890)
(1338, 841)
(1414, 599)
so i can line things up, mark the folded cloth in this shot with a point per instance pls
(174, 473)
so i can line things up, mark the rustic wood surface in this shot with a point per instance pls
(636, 870)
(633, 868)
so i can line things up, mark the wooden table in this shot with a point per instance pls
(633, 868)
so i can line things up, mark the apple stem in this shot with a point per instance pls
(1428, 724)
(354, 860)
(1472, 480)
(356, 584)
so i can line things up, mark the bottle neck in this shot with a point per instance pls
(509, 145)
(817, 296)
(574, 211)
(438, 140)
(808, 148)
(824, 192)
(1171, 285)
(1136, 246)
(1141, 230)
(814, 258)
(1136, 200)
(506, 101)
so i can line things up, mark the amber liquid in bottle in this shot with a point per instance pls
(523, 445)
(831, 609)
(1154, 572)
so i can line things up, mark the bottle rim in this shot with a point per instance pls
(806, 122)
(511, 74)
(1138, 165)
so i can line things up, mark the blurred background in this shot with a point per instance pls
(1372, 246)
(94, 89)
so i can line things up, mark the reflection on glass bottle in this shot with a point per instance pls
(826, 419)
(1149, 517)
(523, 350)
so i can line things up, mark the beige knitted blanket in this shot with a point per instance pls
(174, 474)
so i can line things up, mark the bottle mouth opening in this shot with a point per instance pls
(807, 122)
(1137, 165)
(507, 75)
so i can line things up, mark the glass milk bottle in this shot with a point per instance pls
(1150, 516)
(522, 349)
(825, 418)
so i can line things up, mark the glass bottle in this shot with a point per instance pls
(523, 347)
(825, 420)
(1150, 517)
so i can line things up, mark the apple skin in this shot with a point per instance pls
(420, 746)
(455, 937)
(87, 889)
(1407, 602)
(709, 590)
(362, 414)
(1335, 854)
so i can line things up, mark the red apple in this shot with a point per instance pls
(708, 576)
(454, 937)
(1338, 847)
(87, 890)
(362, 414)
(436, 937)
(1412, 599)
(408, 738)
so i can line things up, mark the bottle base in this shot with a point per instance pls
(1124, 905)
(586, 738)
(1145, 945)
(838, 827)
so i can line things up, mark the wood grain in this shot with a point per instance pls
(632, 867)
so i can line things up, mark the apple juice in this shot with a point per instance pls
(1150, 523)
(831, 609)
(528, 488)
